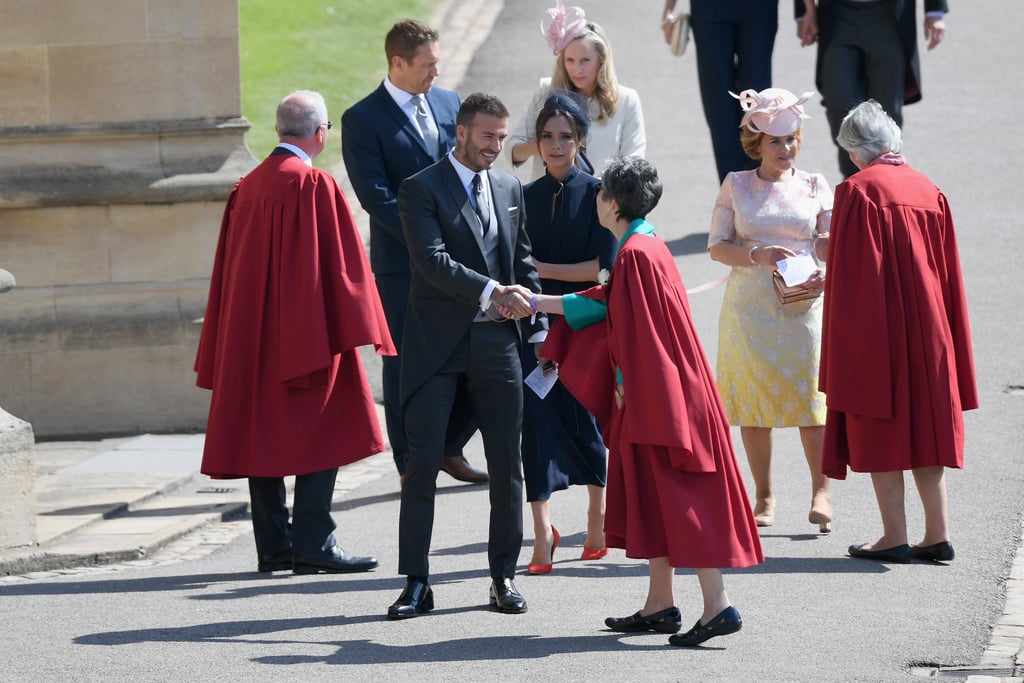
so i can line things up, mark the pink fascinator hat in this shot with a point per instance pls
(565, 24)
(773, 111)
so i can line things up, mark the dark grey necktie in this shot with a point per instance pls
(428, 129)
(480, 202)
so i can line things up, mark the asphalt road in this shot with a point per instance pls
(810, 613)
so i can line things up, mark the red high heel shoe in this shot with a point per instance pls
(593, 553)
(537, 568)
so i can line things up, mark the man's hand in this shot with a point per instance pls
(934, 30)
(512, 301)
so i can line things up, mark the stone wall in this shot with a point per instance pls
(120, 136)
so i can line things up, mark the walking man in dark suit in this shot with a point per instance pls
(465, 227)
(867, 49)
(400, 128)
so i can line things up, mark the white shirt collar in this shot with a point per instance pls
(299, 152)
(465, 173)
(401, 97)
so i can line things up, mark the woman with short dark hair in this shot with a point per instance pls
(675, 493)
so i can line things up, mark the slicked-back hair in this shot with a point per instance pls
(405, 38)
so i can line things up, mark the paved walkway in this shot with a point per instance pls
(140, 500)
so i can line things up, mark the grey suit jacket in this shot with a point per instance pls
(449, 270)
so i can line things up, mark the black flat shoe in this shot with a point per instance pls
(506, 597)
(334, 560)
(898, 553)
(416, 598)
(666, 621)
(722, 624)
(939, 552)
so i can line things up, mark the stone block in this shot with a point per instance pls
(28, 318)
(191, 19)
(23, 95)
(77, 245)
(86, 79)
(118, 391)
(163, 242)
(54, 22)
(17, 482)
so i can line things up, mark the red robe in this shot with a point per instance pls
(674, 488)
(896, 361)
(291, 299)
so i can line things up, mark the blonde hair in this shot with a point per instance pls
(606, 90)
(751, 140)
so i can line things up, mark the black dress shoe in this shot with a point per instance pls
(506, 597)
(939, 552)
(278, 562)
(334, 560)
(898, 553)
(666, 621)
(459, 468)
(722, 624)
(416, 598)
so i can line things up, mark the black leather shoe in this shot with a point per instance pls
(722, 624)
(416, 598)
(939, 552)
(666, 621)
(898, 553)
(459, 468)
(278, 562)
(506, 597)
(334, 560)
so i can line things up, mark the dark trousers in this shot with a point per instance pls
(863, 60)
(312, 527)
(486, 366)
(394, 297)
(734, 42)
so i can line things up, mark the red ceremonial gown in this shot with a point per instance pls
(896, 361)
(674, 488)
(291, 299)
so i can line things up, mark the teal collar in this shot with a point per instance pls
(637, 227)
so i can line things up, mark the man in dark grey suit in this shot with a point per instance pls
(867, 49)
(465, 228)
(400, 128)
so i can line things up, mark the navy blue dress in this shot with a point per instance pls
(562, 443)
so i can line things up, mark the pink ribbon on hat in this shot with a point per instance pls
(563, 28)
(771, 105)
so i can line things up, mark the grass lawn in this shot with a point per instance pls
(335, 47)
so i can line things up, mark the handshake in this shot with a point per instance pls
(513, 301)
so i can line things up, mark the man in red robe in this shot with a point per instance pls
(291, 299)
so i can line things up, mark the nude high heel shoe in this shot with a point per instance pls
(821, 513)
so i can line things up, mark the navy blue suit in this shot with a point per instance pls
(734, 40)
(381, 148)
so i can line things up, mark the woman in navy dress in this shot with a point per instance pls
(562, 442)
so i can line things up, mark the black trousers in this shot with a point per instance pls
(311, 530)
(734, 41)
(486, 367)
(394, 297)
(863, 60)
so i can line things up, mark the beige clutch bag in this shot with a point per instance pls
(680, 34)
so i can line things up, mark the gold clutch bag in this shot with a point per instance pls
(787, 294)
